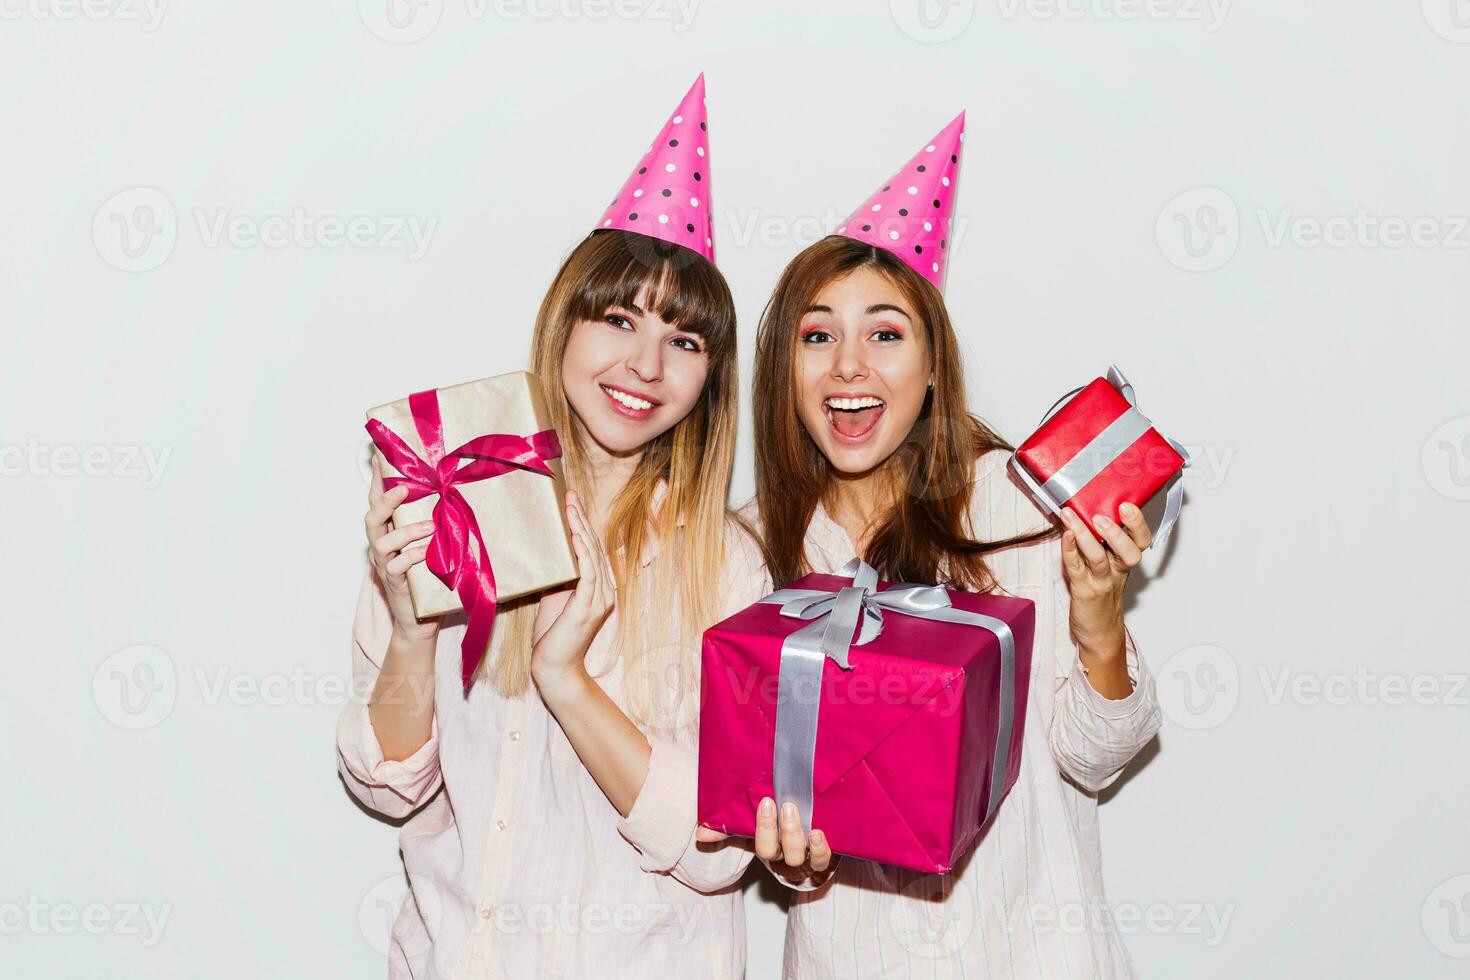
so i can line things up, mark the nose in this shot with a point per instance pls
(646, 360)
(849, 364)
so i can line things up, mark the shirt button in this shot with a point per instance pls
(486, 913)
(515, 736)
(500, 824)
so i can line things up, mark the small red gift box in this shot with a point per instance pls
(1099, 451)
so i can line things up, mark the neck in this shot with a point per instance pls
(858, 501)
(604, 474)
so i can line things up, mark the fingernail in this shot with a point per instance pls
(1128, 510)
(424, 525)
(788, 812)
(768, 807)
(818, 838)
(1101, 521)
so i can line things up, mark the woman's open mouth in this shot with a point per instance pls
(853, 418)
(629, 404)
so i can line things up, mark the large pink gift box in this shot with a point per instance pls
(916, 740)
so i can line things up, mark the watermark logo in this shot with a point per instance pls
(415, 900)
(135, 230)
(932, 21)
(1446, 917)
(1199, 687)
(1199, 229)
(1450, 19)
(136, 687)
(934, 917)
(123, 461)
(1210, 13)
(400, 21)
(1445, 459)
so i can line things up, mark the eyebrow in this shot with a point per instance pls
(875, 308)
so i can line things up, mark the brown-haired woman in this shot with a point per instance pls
(864, 446)
(551, 809)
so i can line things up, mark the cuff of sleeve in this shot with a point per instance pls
(661, 821)
(1109, 707)
(407, 777)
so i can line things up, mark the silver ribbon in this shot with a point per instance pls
(853, 616)
(1099, 453)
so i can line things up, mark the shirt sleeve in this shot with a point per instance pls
(1093, 738)
(664, 817)
(392, 787)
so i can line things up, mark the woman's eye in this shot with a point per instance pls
(687, 343)
(815, 337)
(621, 322)
(885, 335)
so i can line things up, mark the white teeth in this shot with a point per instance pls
(627, 399)
(853, 404)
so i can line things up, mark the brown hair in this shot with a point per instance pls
(660, 614)
(924, 538)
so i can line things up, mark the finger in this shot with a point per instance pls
(707, 835)
(793, 838)
(1117, 539)
(766, 847)
(821, 855)
(376, 519)
(400, 563)
(1093, 552)
(1071, 555)
(1136, 525)
(398, 539)
(594, 541)
(582, 594)
(375, 488)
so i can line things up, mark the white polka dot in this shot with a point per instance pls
(709, 241)
(893, 235)
(936, 266)
(929, 148)
(928, 226)
(913, 189)
(669, 167)
(607, 222)
(663, 219)
(842, 229)
(877, 207)
(699, 150)
(694, 202)
(678, 120)
(638, 192)
(962, 136)
(944, 181)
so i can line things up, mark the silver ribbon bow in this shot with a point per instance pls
(853, 616)
(1099, 453)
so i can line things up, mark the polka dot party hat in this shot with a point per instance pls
(910, 215)
(667, 196)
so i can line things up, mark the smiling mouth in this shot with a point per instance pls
(627, 404)
(853, 419)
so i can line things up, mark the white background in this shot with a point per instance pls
(1141, 185)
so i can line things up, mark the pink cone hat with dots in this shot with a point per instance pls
(911, 214)
(667, 196)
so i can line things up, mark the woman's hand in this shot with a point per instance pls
(394, 552)
(786, 849)
(560, 649)
(1096, 575)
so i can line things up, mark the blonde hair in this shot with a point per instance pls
(662, 612)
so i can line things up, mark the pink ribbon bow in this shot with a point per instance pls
(457, 554)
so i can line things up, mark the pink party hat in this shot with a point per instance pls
(667, 196)
(910, 215)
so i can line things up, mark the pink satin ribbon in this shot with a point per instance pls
(457, 554)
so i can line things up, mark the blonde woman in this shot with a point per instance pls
(551, 810)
